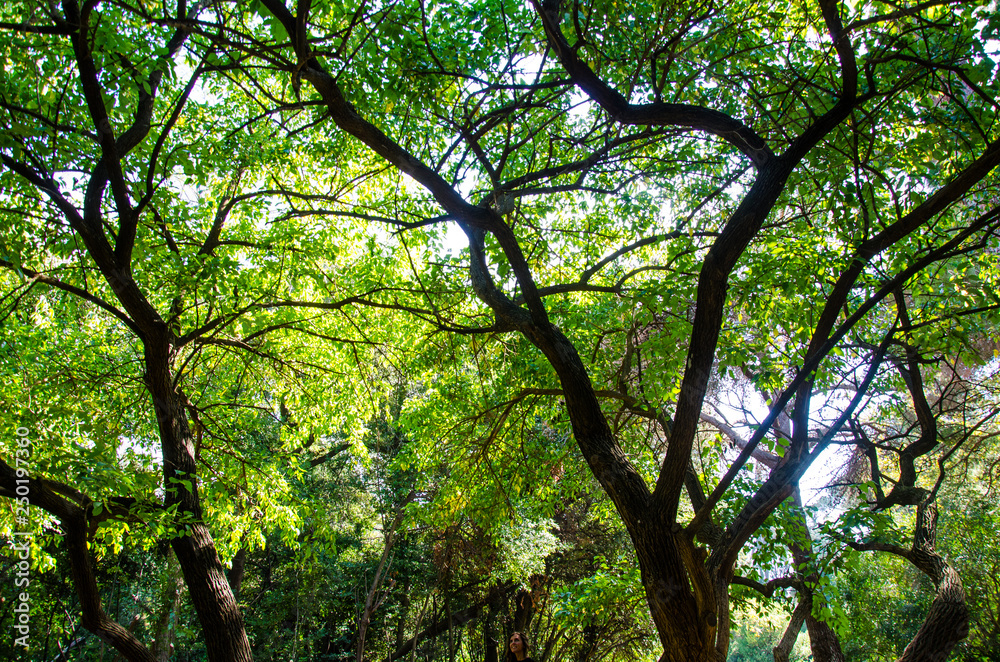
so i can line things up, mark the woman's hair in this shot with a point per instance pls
(524, 641)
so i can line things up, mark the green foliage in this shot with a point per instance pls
(595, 598)
(340, 365)
(755, 635)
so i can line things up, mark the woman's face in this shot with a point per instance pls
(516, 645)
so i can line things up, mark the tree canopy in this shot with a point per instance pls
(506, 286)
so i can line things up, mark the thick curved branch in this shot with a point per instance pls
(713, 284)
(143, 315)
(914, 381)
(783, 648)
(919, 216)
(947, 620)
(74, 519)
(804, 374)
(109, 169)
(113, 150)
(848, 98)
(699, 118)
(767, 590)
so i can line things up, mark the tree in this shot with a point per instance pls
(537, 131)
(60, 130)
(136, 212)
(654, 199)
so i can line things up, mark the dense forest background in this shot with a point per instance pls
(379, 331)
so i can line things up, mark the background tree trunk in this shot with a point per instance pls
(784, 647)
(164, 629)
(236, 572)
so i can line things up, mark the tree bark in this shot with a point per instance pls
(687, 595)
(218, 614)
(524, 610)
(404, 613)
(823, 641)
(111, 252)
(947, 621)
(494, 603)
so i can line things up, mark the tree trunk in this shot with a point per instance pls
(686, 630)
(524, 609)
(92, 614)
(494, 602)
(70, 507)
(823, 641)
(404, 613)
(236, 572)
(947, 621)
(164, 627)
(221, 622)
(784, 647)
(492, 649)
